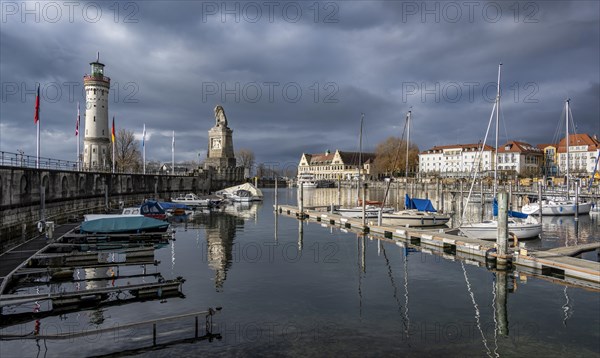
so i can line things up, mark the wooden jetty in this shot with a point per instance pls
(143, 330)
(554, 262)
(157, 289)
(41, 258)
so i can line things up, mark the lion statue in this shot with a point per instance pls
(220, 116)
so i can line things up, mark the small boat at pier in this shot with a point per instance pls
(123, 224)
(191, 200)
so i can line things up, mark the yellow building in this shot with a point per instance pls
(338, 165)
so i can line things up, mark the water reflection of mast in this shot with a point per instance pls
(276, 224)
(477, 315)
(391, 276)
(406, 293)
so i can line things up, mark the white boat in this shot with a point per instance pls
(371, 211)
(241, 196)
(233, 193)
(488, 229)
(415, 218)
(307, 180)
(191, 200)
(557, 207)
(560, 207)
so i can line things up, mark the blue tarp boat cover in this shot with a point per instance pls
(511, 213)
(419, 204)
(123, 224)
(169, 205)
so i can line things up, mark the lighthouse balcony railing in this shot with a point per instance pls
(96, 77)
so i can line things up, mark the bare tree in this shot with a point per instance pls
(128, 158)
(391, 156)
(245, 158)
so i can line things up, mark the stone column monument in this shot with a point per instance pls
(220, 153)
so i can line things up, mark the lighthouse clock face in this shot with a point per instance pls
(216, 143)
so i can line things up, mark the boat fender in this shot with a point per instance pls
(41, 225)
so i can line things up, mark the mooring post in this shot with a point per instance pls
(379, 217)
(502, 237)
(482, 196)
(339, 191)
(276, 194)
(510, 197)
(460, 204)
(576, 200)
(437, 193)
(540, 200)
(442, 198)
(301, 203)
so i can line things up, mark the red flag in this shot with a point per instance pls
(77, 122)
(36, 117)
(113, 130)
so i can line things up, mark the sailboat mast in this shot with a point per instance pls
(497, 127)
(407, 145)
(567, 132)
(362, 117)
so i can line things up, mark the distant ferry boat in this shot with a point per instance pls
(307, 180)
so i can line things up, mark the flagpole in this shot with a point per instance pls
(173, 154)
(113, 143)
(144, 147)
(77, 136)
(37, 121)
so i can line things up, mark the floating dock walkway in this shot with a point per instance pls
(557, 263)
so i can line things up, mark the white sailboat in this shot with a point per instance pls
(414, 215)
(560, 207)
(488, 229)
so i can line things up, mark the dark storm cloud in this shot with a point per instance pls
(294, 82)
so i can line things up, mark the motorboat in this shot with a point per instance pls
(123, 224)
(306, 180)
(191, 200)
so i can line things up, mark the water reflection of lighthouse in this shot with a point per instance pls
(220, 232)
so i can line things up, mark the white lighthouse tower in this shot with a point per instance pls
(96, 142)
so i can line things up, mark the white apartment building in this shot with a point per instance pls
(521, 158)
(458, 160)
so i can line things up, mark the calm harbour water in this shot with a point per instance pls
(302, 289)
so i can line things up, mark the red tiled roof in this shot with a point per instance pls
(578, 139)
(514, 146)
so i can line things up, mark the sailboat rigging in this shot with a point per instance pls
(488, 229)
(567, 206)
(417, 212)
(370, 210)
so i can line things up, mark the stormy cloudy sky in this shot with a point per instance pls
(295, 76)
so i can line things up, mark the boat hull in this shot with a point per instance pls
(557, 208)
(125, 224)
(419, 219)
(489, 230)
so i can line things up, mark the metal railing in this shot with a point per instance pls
(29, 161)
